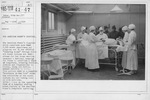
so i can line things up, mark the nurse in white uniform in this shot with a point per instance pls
(70, 41)
(125, 41)
(85, 35)
(91, 60)
(126, 35)
(101, 36)
(132, 59)
(71, 38)
(82, 34)
(80, 48)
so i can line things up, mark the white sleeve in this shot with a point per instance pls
(130, 39)
(97, 36)
(106, 37)
(79, 36)
(70, 40)
(87, 37)
(125, 38)
(93, 38)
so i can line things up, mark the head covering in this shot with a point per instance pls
(73, 30)
(131, 26)
(92, 28)
(113, 27)
(83, 28)
(124, 28)
(101, 28)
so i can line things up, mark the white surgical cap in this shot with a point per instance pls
(83, 28)
(73, 30)
(92, 28)
(101, 28)
(131, 26)
(125, 28)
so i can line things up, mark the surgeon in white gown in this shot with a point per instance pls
(70, 41)
(91, 60)
(101, 36)
(101, 47)
(125, 41)
(81, 46)
(132, 59)
(126, 35)
(71, 38)
(82, 35)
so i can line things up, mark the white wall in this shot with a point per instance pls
(101, 17)
(61, 27)
(135, 16)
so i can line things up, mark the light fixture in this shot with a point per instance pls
(116, 9)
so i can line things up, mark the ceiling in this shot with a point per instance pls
(99, 8)
(68, 7)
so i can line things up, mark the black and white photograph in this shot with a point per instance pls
(75, 49)
(82, 41)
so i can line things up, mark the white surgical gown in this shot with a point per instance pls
(82, 36)
(102, 36)
(85, 37)
(81, 47)
(79, 36)
(132, 59)
(71, 38)
(91, 60)
(125, 38)
(124, 57)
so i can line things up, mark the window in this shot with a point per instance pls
(51, 21)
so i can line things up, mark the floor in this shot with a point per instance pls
(106, 72)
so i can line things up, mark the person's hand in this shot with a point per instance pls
(103, 40)
(117, 39)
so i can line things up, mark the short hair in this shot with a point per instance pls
(105, 27)
(113, 27)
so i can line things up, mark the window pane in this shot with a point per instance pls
(50, 20)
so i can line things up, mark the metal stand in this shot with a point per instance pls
(123, 73)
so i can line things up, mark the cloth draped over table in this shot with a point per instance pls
(58, 55)
(102, 48)
(52, 66)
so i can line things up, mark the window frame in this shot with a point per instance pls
(55, 21)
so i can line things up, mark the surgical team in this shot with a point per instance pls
(90, 36)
